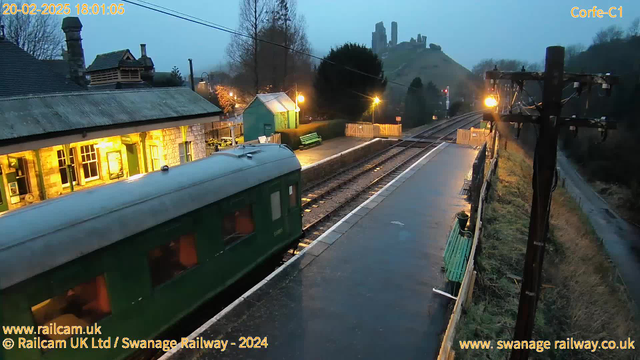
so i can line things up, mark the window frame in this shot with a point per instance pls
(173, 236)
(155, 159)
(186, 153)
(96, 161)
(278, 196)
(72, 160)
(233, 206)
(157, 236)
(70, 285)
(294, 193)
(23, 165)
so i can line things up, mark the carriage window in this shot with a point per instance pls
(169, 260)
(293, 196)
(81, 305)
(237, 225)
(275, 206)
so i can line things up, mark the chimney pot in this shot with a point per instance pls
(143, 50)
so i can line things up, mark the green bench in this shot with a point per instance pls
(310, 140)
(456, 253)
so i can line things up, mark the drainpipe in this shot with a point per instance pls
(193, 88)
(143, 142)
(43, 191)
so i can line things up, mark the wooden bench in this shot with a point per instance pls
(310, 140)
(456, 253)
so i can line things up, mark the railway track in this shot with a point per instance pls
(325, 202)
(396, 158)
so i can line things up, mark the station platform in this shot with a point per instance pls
(327, 149)
(364, 288)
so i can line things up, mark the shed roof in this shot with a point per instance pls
(23, 74)
(112, 60)
(276, 102)
(50, 115)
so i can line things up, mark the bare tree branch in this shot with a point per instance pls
(39, 35)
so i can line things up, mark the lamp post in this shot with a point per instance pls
(376, 101)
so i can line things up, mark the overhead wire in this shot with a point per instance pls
(195, 20)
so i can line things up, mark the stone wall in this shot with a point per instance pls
(172, 137)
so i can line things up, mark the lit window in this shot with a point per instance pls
(185, 151)
(293, 196)
(169, 260)
(89, 162)
(275, 206)
(155, 157)
(237, 225)
(62, 165)
(81, 305)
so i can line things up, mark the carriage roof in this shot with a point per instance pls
(42, 236)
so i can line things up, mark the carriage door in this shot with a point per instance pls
(3, 197)
(277, 215)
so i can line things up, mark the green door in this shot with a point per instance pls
(132, 159)
(3, 197)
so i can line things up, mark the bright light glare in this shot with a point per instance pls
(231, 93)
(300, 98)
(490, 102)
(376, 100)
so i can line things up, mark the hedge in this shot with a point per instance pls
(327, 129)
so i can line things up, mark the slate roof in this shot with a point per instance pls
(113, 60)
(53, 115)
(23, 74)
(59, 66)
(276, 102)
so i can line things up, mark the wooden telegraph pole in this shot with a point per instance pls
(544, 169)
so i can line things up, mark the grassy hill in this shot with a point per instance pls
(403, 64)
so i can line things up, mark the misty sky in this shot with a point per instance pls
(467, 30)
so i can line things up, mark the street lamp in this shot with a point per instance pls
(490, 101)
(376, 101)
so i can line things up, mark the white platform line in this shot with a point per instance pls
(230, 307)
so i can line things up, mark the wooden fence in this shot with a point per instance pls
(473, 136)
(466, 289)
(366, 130)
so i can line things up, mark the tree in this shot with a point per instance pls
(39, 35)
(341, 90)
(572, 51)
(634, 28)
(225, 100)
(609, 34)
(243, 50)
(415, 105)
(434, 99)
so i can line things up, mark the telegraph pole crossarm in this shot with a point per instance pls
(549, 122)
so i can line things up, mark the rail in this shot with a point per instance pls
(385, 175)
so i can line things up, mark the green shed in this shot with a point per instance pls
(268, 113)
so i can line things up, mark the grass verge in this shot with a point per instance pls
(580, 297)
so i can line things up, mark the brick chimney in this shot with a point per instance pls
(72, 27)
(148, 69)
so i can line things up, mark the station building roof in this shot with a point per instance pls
(85, 113)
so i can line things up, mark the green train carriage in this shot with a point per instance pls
(136, 256)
